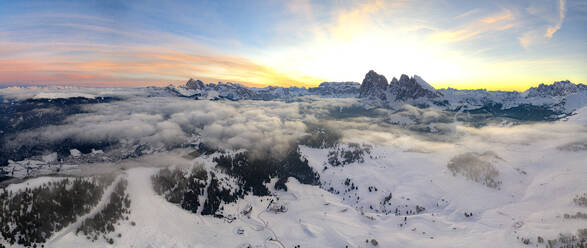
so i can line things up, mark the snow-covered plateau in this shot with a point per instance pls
(377, 164)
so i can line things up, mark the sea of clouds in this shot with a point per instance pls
(272, 128)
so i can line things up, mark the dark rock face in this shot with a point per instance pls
(374, 86)
(406, 88)
(410, 88)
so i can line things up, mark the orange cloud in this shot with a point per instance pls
(351, 22)
(497, 22)
(142, 66)
(507, 15)
(562, 13)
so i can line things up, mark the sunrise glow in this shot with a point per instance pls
(496, 45)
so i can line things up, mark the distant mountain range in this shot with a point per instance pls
(558, 98)
(234, 91)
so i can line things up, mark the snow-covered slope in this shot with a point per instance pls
(423, 83)
(389, 195)
(314, 172)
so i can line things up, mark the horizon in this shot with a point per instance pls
(252, 85)
(462, 45)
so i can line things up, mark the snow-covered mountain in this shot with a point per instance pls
(561, 88)
(554, 101)
(560, 97)
(347, 195)
(197, 89)
(336, 89)
(234, 91)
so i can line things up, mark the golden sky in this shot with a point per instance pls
(496, 45)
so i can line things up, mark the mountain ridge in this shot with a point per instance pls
(560, 96)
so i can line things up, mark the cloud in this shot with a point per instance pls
(137, 66)
(287, 43)
(496, 22)
(532, 38)
(562, 13)
(272, 128)
(468, 13)
(265, 128)
(506, 15)
(350, 22)
(301, 7)
(527, 39)
(90, 51)
(549, 23)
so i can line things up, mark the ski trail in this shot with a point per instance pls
(202, 200)
(105, 199)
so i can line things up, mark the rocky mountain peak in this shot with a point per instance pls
(194, 84)
(560, 88)
(404, 78)
(423, 83)
(406, 88)
(373, 86)
(393, 81)
(411, 88)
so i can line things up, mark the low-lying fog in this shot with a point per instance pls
(271, 128)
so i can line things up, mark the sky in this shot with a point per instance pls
(497, 45)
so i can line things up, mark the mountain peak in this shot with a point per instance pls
(411, 88)
(393, 81)
(423, 83)
(194, 84)
(560, 88)
(373, 86)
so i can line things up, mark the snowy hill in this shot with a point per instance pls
(380, 196)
